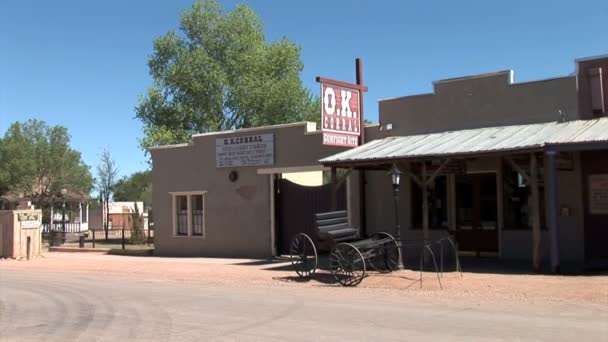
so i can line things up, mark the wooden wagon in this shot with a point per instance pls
(350, 256)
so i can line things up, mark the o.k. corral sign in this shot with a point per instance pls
(246, 150)
(342, 110)
(340, 115)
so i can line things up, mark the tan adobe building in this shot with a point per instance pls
(492, 152)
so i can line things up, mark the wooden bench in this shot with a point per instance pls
(333, 226)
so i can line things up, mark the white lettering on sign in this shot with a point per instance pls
(30, 224)
(336, 139)
(345, 111)
(329, 101)
(250, 150)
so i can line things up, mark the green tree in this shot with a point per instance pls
(220, 73)
(136, 187)
(36, 162)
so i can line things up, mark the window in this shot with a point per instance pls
(85, 213)
(438, 209)
(188, 213)
(181, 205)
(197, 215)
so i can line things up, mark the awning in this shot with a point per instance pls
(479, 141)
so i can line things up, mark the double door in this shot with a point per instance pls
(477, 212)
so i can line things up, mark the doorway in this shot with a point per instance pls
(296, 206)
(595, 199)
(477, 212)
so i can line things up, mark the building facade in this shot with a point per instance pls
(204, 207)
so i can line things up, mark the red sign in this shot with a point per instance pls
(340, 115)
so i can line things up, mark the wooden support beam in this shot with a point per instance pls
(518, 169)
(334, 197)
(436, 173)
(414, 178)
(552, 206)
(342, 178)
(534, 208)
(425, 204)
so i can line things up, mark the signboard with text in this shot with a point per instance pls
(247, 150)
(340, 115)
(29, 220)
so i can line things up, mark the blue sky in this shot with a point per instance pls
(83, 64)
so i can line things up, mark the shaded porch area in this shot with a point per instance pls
(513, 192)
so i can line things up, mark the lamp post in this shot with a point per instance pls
(395, 174)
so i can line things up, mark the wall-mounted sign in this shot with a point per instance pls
(246, 150)
(29, 220)
(340, 115)
(598, 194)
(564, 161)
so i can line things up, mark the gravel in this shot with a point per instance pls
(476, 287)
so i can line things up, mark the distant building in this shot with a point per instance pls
(120, 215)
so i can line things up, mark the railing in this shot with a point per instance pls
(58, 227)
(98, 238)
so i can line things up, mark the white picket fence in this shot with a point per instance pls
(69, 227)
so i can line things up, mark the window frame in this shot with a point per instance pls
(189, 195)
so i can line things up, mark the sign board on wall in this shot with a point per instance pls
(29, 220)
(340, 115)
(598, 194)
(246, 150)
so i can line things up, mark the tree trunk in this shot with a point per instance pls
(107, 207)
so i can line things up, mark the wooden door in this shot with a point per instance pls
(477, 212)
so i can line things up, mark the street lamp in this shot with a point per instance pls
(395, 174)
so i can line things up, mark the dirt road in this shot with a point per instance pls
(101, 297)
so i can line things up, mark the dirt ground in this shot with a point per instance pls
(476, 287)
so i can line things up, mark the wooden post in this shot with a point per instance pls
(334, 199)
(362, 180)
(425, 203)
(51, 220)
(534, 207)
(552, 205)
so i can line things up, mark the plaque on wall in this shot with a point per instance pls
(564, 161)
(247, 150)
(29, 220)
(598, 194)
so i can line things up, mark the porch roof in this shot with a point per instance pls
(479, 141)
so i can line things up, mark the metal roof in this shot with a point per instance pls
(476, 141)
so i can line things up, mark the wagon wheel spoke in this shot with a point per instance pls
(303, 255)
(347, 264)
(386, 256)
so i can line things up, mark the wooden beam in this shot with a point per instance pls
(340, 180)
(534, 208)
(425, 204)
(334, 197)
(343, 84)
(518, 169)
(414, 178)
(436, 173)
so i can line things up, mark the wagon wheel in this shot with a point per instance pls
(347, 264)
(303, 255)
(385, 258)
